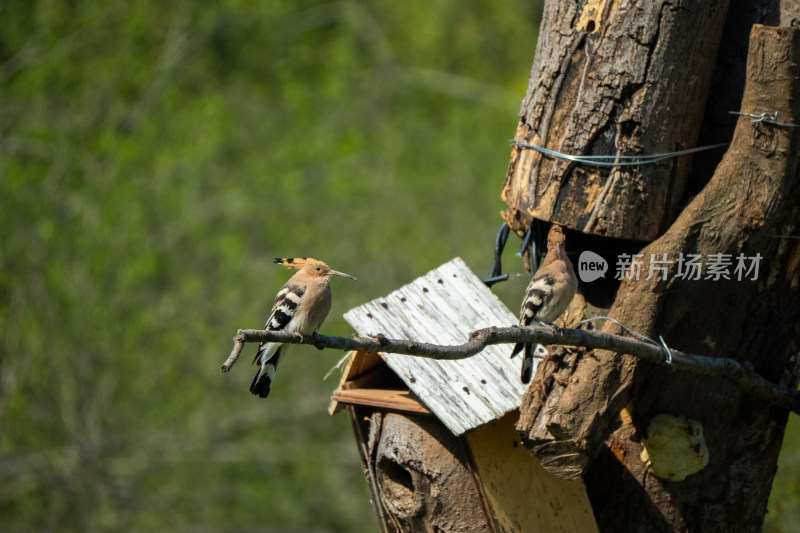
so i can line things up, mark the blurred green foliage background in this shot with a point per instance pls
(154, 158)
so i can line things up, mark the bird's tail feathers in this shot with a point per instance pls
(262, 383)
(265, 351)
(517, 348)
(527, 364)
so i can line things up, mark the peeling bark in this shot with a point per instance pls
(753, 196)
(423, 478)
(597, 88)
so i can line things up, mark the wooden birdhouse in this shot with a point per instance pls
(436, 438)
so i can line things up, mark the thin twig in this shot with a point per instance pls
(742, 374)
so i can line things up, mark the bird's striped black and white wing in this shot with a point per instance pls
(537, 297)
(535, 308)
(286, 303)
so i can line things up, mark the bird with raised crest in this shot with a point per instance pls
(548, 294)
(300, 306)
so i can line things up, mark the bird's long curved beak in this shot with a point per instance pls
(337, 273)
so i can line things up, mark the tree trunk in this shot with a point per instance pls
(419, 473)
(720, 479)
(599, 87)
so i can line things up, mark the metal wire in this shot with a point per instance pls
(615, 160)
(768, 118)
(668, 352)
(496, 274)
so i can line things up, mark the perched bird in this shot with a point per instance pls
(548, 294)
(301, 306)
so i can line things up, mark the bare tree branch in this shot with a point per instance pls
(742, 375)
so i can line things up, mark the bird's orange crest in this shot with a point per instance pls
(311, 267)
(296, 262)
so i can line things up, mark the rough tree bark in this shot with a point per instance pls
(570, 412)
(420, 474)
(598, 88)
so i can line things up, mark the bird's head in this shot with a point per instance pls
(311, 267)
(556, 239)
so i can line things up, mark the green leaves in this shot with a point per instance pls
(153, 158)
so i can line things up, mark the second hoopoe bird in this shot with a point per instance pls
(301, 306)
(548, 294)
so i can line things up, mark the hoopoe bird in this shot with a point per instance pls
(548, 294)
(300, 306)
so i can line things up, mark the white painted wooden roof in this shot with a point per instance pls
(443, 307)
